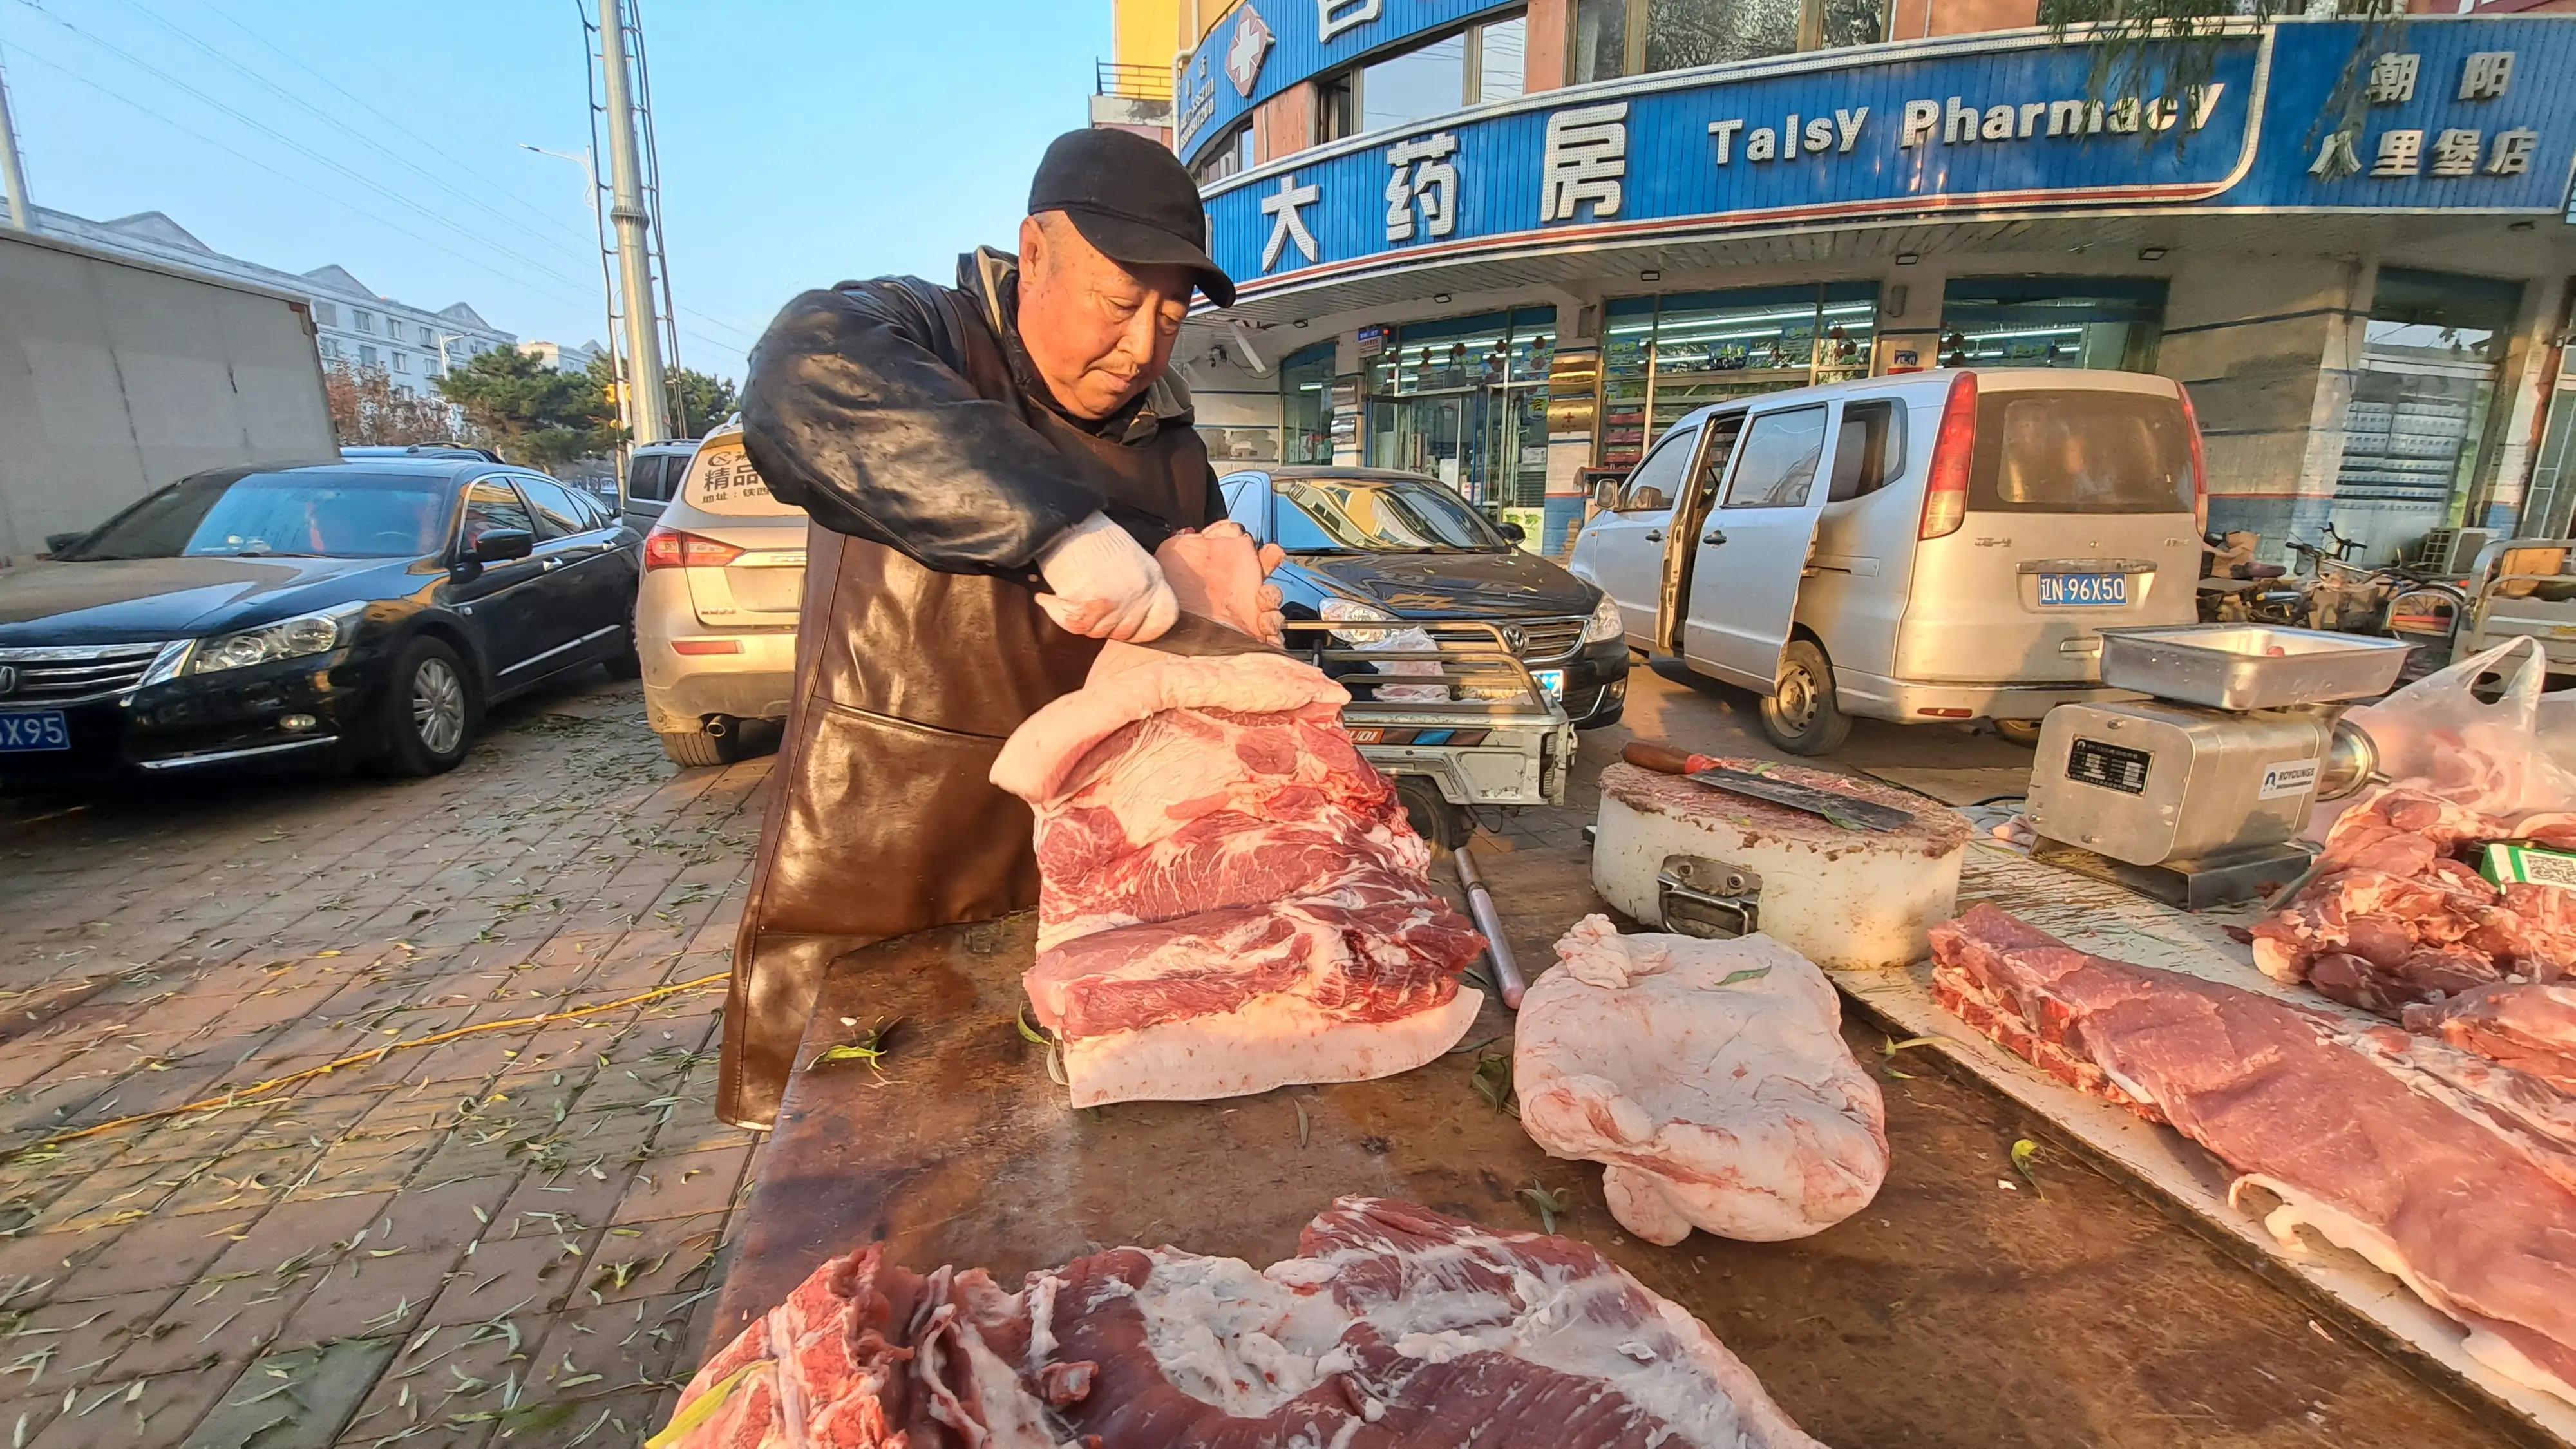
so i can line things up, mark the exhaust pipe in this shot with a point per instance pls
(718, 726)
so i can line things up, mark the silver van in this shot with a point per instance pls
(1939, 545)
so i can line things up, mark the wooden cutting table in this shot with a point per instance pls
(1966, 1306)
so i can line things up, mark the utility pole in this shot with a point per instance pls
(12, 174)
(648, 403)
(608, 285)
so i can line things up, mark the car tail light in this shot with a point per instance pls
(706, 646)
(669, 548)
(1954, 448)
(2199, 462)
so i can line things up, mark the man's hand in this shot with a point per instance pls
(1217, 573)
(1105, 586)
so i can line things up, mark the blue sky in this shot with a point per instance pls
(800, 143)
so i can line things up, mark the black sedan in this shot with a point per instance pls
(364, 611)
(1364, 543)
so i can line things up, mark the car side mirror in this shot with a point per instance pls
(1647, 499)
(59, 543)
(1514, 532)
(499, 544)
(1605, 496)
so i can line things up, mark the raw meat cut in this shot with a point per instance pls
(2524, 1113)
(1396, 1326)
(2392, 920)
(2355, 1146)
(1229, 897)
(2530, 1027)
(1711, 1079)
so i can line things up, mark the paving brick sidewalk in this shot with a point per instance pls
(509, 1238)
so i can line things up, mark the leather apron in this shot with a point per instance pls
(880, 820)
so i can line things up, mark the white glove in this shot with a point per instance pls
(1105, 586)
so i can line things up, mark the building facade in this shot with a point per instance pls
(352, 324)
(1502, 243)
(565, 356)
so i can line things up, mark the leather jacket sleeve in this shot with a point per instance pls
(854, 410)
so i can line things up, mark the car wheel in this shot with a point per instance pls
(1800, 714)
(2023, 732)
(430, 713)
(625, 663)
(1432, 816)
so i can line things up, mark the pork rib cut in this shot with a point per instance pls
(1229, 898)
(2447, 1193)
(1395, 1326)
(1711, 1079)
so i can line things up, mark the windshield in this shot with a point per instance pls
(1357, 515)
(310, 513)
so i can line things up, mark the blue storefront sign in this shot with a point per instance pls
(1266, 46)
(2456, 116)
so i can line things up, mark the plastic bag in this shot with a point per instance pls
(1404, 641)
(2498, 759)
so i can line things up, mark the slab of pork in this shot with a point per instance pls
(1711, 1079)
(1395, 1326)
(2440, 1169)
(1230, 899)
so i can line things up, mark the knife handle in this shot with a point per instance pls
(1663, 759)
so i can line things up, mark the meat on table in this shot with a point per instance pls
(1230, 898)
(2450, 1172)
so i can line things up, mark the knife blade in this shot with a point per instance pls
(1830, 805)
(1195, 636)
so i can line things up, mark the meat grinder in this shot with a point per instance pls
(2197, 794)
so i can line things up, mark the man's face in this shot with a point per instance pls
(1098, 332)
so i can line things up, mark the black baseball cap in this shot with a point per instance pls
(1133, 200)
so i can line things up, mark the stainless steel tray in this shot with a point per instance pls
(2249, 666)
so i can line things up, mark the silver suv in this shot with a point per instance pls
(715, 613)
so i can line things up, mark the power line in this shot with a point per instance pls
(397, 126)
(290, 143)
(334, 121)
(22, 50)
(747, 334)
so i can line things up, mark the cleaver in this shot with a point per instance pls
(1832, 805)
(1195, 636)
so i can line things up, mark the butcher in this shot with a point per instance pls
(988, 469)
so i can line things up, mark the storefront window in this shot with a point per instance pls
(1663, 356)
(1465, 401)
(1430, 81)
(1600, 41)
(1502, 59)
(1628, 37)
(2098, 322)
(1306, 407)
(1685, 33)
(1481, 63)
(1231, 155)
(2431, 354)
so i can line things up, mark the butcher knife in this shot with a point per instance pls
(1195, 636)
(1831, 805)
